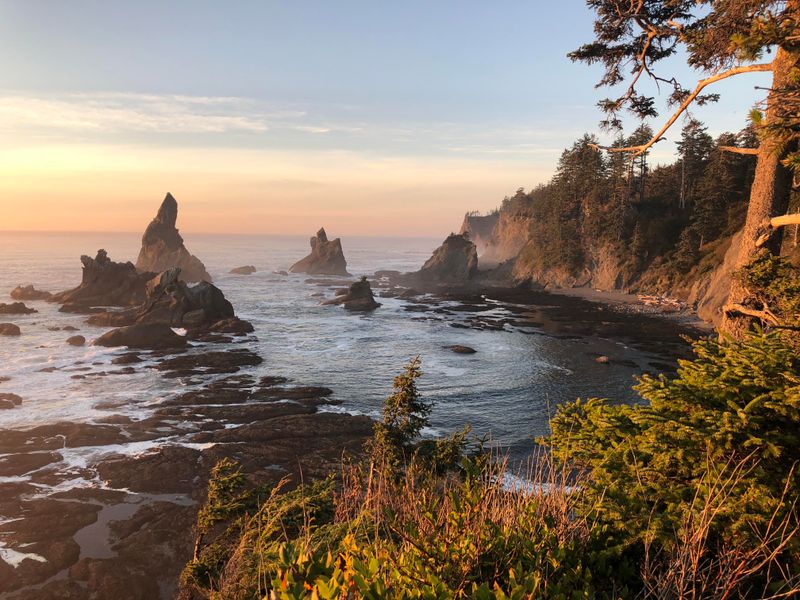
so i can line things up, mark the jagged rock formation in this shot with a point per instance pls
(170, 301)
(358, 297)
(104, 283)
(246, 270)
(162, 246)
(479, 229)
(455, 261)
(29, 292)
(326, 257)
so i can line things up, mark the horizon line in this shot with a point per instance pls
(209, 233)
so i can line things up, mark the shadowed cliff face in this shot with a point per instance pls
(479, 228)
(162, 246)
(326, 258)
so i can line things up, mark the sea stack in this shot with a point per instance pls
(162, 246)
(326, 257)
(455, 261)
(358, 297)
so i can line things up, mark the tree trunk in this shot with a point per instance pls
(769, 195)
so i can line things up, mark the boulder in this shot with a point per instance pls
(358, 297)
(152, 336)
(15, 308)
(76, 340)
(326, 257)
(458, 349)
(9, 329)
(246, 270)
(29, 292)
(104, 283)
(455, 261)
(162, 246)
(9, 400)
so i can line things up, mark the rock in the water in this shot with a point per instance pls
(15, 308)
(162, 246)
(104, 283)
(172, 302)
(29, 292)
(9, 329)
(246, 270)
(455, 261)
(153, 336)
(9, 400)
(233, 325)
(458, 349)
(326, 257)
(358, 297)
(76, 340)
(603, 360)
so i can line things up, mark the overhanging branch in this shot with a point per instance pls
(735, 150)
(775, 223)
(701, 85)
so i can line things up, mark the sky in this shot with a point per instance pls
(368, 117)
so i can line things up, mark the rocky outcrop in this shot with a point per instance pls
(170, 301)
(479, 229)
(710, 293)
(76, 340)
(454, 262)
(9, 401)
(15, 308)
(29, 292)
(152, 336)
(246, 270)
(162, 246)
(104, 283)
(358, 297)
(326, 257)
(9, 329)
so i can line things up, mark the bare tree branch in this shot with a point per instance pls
(701, 85)
(735, 150)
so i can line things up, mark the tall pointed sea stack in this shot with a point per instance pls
(162, 246)
(326, 257)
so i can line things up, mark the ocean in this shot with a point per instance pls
(506, 390)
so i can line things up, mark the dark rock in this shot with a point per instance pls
(15, 308)
(29, 292)
(126, 359)
(104, 283)
(455, 261)
(458, 349)
(386, 274)
(9, 400)
(76, 340)
(172, 302)
(326, 257)
(246, 270)
(232, 325)
(219, 361)
(162, 246)
(142, 335)
(357, 297)
(9, 329)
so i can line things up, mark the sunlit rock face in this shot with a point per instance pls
(163, 248)
(455, 261)
(326, 257)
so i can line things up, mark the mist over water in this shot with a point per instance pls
(507, 389)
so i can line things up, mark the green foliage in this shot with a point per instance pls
(775, 282)
(732, 414)
(405, 414)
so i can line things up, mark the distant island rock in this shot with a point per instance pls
(104, 283)
(29, 292)
(358, 297)
(326, 257)
(455, 261)
(162, 246)
(246, 270)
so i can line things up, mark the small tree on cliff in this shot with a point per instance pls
(722, 39)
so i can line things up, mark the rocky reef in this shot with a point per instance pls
(357, 297)
(326, 257)
(28, 292)
(245, 270)
(163, 248)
